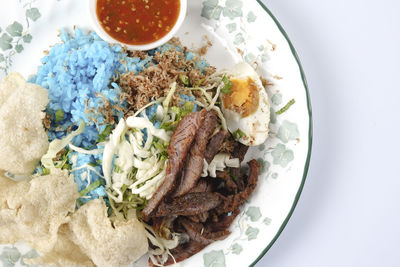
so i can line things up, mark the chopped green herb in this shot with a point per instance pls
(153, 117)
(63, 163)
(226, 89)
(177, 110)
(198, 82)
(103, 136)
(187, 108)
(158, 146)
(286, 107)
(66, 166)
(59, 115)
(91, 187)
(184, 79)
(238, 134)
(162, 147)
(234, 177)
(123, 188)
(132, 174)
(169, 126)
(117, 169)
(45, 171)
(163, 155)
(130, 201)
(180, 112)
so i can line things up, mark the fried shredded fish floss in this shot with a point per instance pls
(23, 139)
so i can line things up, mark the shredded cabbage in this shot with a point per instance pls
(219, 163)
(109, 150)
(57, 145)
(84, 151)
(148, 105)
(210, 105)
(139, 164)
(144, 123)
(214, 100)
(169, 96)
(159, 255)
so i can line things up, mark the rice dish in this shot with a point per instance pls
(146, 138)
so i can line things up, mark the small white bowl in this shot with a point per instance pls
(106, 37)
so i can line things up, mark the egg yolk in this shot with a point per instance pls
(243, 98)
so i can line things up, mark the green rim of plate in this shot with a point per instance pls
(310, 135)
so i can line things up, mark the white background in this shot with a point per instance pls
(349, 211)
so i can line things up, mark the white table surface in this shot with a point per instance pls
(349, 211)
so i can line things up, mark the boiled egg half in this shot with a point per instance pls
(246, 107)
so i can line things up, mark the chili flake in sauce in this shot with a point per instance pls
(137, 22)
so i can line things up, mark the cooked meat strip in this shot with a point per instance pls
(220, 235)
(233, 202)
(199, 218)
(195, 163)
(178, 148)
(214, 145)
(223, 222)
(203, 185)
(239, 152)
(230, 184)
(253, 176)
(198, 233)
(195, 231)
(182, 252)
(189, 204)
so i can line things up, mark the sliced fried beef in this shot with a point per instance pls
(233, 202)
(214, 145)
(239, 152)
(200, 218)
(189, 204)
(230, 184)
(203, 185)
(223, 222)
(177, 151)
(182, 252)
(195, 231)
(253, 177)
(195, 162)
(198, 233)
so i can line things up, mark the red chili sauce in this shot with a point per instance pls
(137, 22)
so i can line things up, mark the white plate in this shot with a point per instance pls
(238, 32)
